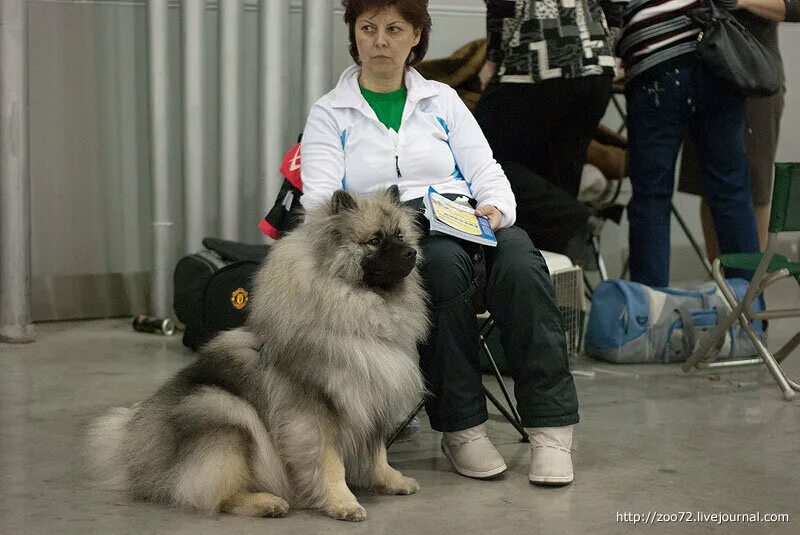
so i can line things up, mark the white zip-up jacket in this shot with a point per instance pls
(439, 144)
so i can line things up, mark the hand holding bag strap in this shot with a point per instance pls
(730, 52)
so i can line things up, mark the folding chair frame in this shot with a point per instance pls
(512, 415)
(744, 313)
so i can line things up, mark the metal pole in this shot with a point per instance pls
(157, 24)
(15, 188)
(194, 124)
(318, 44)
(274, 30)
(230, 23)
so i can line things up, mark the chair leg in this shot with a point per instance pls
(601, 265)
(405, 423)
(710, 341)
(787, 348)
(787, 386)
(513, 416)
(587, 286)
(501, 382)
(510, 417)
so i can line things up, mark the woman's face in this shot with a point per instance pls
(384, 40)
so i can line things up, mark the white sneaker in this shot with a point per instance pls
(472, 454)
(551, 457)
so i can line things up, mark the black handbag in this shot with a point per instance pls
(731, 53)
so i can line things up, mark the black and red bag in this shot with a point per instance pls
(287, 211)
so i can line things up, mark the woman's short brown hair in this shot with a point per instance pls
(414, 11)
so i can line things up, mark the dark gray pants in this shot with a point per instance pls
(521, 299)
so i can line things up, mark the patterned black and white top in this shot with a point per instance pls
(535, 40)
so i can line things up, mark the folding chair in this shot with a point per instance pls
(769, 268)
(510, 413)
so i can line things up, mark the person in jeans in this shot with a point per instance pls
(667, 91)
(760, 18)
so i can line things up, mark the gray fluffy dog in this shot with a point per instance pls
(339, 309)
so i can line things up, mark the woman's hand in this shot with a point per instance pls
(494, 215)
(487, 73)
(774, 10)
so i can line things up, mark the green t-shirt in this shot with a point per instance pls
(387, 106)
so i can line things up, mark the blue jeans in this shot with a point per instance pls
(660, 110)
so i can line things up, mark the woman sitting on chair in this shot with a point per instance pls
(385, 124)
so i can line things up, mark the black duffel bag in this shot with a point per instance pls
(213, 286)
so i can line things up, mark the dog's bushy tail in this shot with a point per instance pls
(104, 447)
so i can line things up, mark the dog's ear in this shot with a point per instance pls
(394, 193)
(342, 200)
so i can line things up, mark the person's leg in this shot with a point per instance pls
(449, 359)
(521, 298)
(584, 102)
(761, 212)
(709, 233)
(518, 121)
(762, 130)
(718, 127)
(450, 363)
(761, 142)
(689, 182)
(657, 115)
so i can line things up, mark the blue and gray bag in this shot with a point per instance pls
(633, 323)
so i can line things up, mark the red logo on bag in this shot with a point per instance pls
(290, 168)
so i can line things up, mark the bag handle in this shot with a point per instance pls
(706, 17)
(689, 332)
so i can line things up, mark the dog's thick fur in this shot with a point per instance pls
(250, 432)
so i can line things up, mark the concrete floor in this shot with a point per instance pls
(650, 440)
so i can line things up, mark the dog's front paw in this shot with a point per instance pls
(275, 508)
(400, 486)
(350, 511)
(256, 504)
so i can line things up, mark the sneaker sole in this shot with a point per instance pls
(475, 475)
(551, 481)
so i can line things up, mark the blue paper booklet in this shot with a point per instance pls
(456, 219)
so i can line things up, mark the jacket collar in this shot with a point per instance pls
(347, 94)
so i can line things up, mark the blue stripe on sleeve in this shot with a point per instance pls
(344, 176)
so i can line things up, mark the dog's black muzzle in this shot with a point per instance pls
(387, 268)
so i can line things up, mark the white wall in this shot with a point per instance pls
(89, 127)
